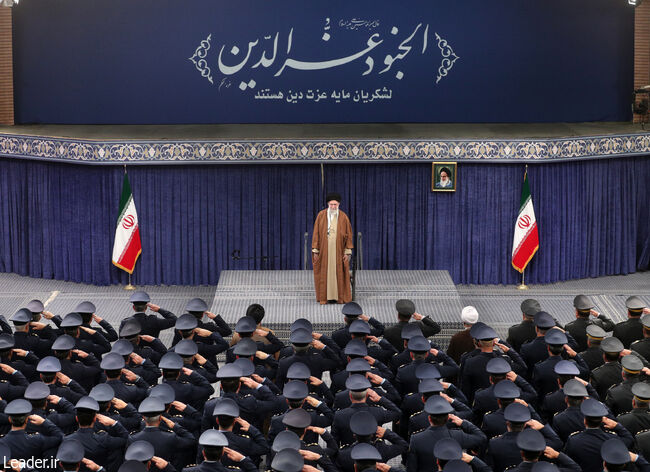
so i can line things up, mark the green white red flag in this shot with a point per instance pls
(526, 240)
(127, 247)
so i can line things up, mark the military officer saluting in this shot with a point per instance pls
(150, 325)
(593, 355)
(619, 398)
(638, 419)
(524, 332)
(609, 373)
(584, 308)
(632, 329)
(215, 449)
(642, 346)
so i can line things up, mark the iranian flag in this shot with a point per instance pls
(526, 240)
(127, 247)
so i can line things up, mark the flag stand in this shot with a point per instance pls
(522, 285)
(129, 286)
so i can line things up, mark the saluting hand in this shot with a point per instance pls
(233, 455)
(90, 465)
(159, 462)
(153, 307)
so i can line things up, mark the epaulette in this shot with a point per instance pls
(311, 444)
(32, 434)
(415, 414)
(101, 431)
(129, 384)
(418, 431)
(410, 395)
(243, 435)
(191, 465)
(557, 413)
(575, 432)
(177, 416)
(489, 412)
(4, 381)
(134, 432)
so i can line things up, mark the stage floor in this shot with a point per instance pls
(287, 295)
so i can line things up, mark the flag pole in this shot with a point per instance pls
(128, 286)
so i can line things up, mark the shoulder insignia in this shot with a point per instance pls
(415, 414)
(311, 444)
(575, 432)
(101, 431)
(243, 435)
(3, 381)
(191, 465)
(489, 412)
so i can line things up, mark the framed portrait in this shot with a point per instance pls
(444, 177)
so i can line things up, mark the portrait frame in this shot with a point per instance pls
(450, 167)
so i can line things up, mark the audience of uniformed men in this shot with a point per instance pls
(548, 398)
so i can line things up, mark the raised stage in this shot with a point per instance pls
(287, 295)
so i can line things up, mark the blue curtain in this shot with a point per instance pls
(58, 220)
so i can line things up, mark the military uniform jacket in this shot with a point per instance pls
(563, 462)
(578, 328)
(127, 416)
(208, 346)
(271, 347)
(384, 412)
(250, 443)
(393, 334)
(321, 417)
(635, 421)
(629, 331)
(147, 370)
(152, 325)
(473, 375)
(520, 334)
(12, 386)
(605, 376)
(545, 378)
(193, 390)
(642, 346)
(61, 414)
(485, 401)
(342, 336)
(254, 406)
(41, 346)
(555, 402)
(619, 397)
(342, 399)
(391, 445)
(339, 378)
(593, 357)
(420, 421)
(568, 422)
(71, 392)
(167, 444)
(318, 362)
(153, 350)
(106, 448)
(535, 351)
(584, 447)
(84, 370)
(129, 392)
(420, 456)
(406, 382)
(494, 424)
(24, 445)
(25, 364)
(245, 465)
(503, 451)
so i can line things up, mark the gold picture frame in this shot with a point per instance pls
(438, 181)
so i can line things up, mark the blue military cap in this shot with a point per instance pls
(140, 297)
(6, 341)
(133, 466)
(543, 466)
(186, 322)
(246, 365)
(498, 366)
(21, 316)
(615, 452)
(35, 306)
(358, 365)
(286, 440)
(356, 347)
(5, 453)
(517, 413)
(611, 344)
(48, 364)
(583, 302)
(357, 382)
(593, 408)
(186, 347)
(482, 331)
(151, 405)
(18, 407)
(365, 452)
(112, 361)
(436, 405)
(123, 347)
(297, 418)
(85, 307)
(37, 391)
(163, 391)
(352, 309)
(302, 323)
(87, 403)
(287, 460)
(226, 407)
(363, 423)
(457, 465)
(555, 337)
(405, 307)
(141, 451)
(410, 330)
(246, 347)
(573, 388)
(229, 371)
(359, 327)
(531, 440)
(530, 307)
(130, 328)
(632, 364)
(70, 451)
(213, 438)
(447, 449)
(565, 367)
(543, 320)
(295, 390)
(634, 303)
(71, 320)
(430, 386)
(427, 371)
(595, 332)
(506, 389)
(64, 343)
(246, 324)
(418, 344)
(196, 304)
(641, 390)
(298, 371)
(300, 336)
(103, 393)
(171, 361)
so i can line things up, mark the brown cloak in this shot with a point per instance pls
(344, 243)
